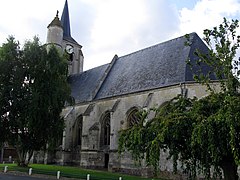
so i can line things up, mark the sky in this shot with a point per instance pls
(108, 27)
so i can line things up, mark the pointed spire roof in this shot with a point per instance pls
(65, 21)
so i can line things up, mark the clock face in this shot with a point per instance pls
(69, 49)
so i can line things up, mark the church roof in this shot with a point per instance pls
(84, 84)
(155, 67)
(65, 21)
(56, 22)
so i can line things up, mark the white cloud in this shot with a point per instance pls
(26, 18)
(122, 27)
(116, 20)
(109, 27)
(103, 27)
(207, 14)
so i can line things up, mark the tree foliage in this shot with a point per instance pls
(33, 91)
(204, 134)
(223, 43)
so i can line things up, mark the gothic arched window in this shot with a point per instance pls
(105, 129)
(78, 131)
(133, 117)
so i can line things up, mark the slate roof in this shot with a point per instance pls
(84, 84)
(65, 21)
(157, 66)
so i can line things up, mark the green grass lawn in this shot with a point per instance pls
(72, 172)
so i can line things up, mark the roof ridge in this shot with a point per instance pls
(196, 43)
(156, 67)
(92, 69)
(192, 36)
(161, 43)
(107, 71)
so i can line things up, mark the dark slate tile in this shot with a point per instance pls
(154, 67)
(157, 66)
(197, 45)
(82, 85)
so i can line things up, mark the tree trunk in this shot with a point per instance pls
(2, 152)
(230, 170)
(30, 154)
(21, 157)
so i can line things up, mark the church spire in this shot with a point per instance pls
(65, 21)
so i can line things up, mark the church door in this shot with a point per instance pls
(106, 159)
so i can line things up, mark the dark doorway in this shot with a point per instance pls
(106, 161)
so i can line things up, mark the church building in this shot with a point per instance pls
(108, 97)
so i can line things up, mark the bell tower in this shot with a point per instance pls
(59, 34)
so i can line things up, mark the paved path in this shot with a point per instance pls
(14, 177)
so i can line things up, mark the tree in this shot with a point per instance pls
(33, 92)
(203, 134)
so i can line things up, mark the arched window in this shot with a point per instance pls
(105, 129)
(79, 140)
(78, 131)
(133, 117)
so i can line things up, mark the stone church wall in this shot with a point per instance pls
(92, 153)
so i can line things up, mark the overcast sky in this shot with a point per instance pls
(108, 27)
